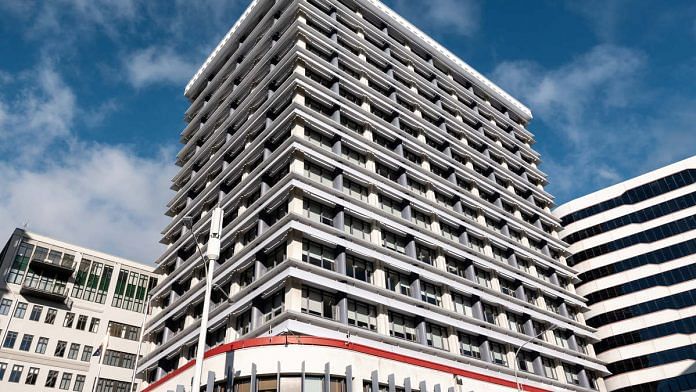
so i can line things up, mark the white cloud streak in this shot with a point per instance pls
(460, 17)
(157, 65)
(99, 196)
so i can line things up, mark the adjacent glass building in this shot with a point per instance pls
(386, 225)
(634, 244)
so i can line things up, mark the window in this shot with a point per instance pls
(65, 381)
(483, 277)
(515, 322)
(476, 244)
(79, 383)
(19, 264)
(393, 242)
(490, 314)
(50, 316)
(81, 322)
(60, 348)
(318, 212)
(353, 156)
(561, 338)
(124, 331)
(469, 346)
(498, 354)
(571, 375)
(3, 369)
(20, 310)
(318, 254)
(449, 232)
(119, 359)
(74, 349)
(94, 325)
(10, 339)
(507, 287)
(16, 373)
(402, 327)
(51, 379)
(86, 353)
(436, 336)
(69, 318)
(32, 375)
(431, 294)
(462, 304)
(390, 205)
(549, 368)
(273, 306)
(353, 189)
(318, 174)
(525, 362)
(41, 345)
(319, 139)
(243, 323)
(25, 344)
(319, 303)
(5, 306)
(421, 219)
(398, 282)
(106, 385)
(132, 290)
(499, 254)
(359, 269)
(357, 227)
(456, 266)
(425, 254)
(539, 330)
(36, 311)
(362, 315)
(416, 186)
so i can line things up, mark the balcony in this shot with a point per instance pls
(51, 292)
(59, 266)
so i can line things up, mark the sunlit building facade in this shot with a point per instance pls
(386, 226)
(70, 317)
(634, 245)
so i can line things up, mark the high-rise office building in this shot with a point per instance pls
(386, 226)
(70, 317)
(635, 246)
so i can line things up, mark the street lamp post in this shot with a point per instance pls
(212, 254)
(517, 352)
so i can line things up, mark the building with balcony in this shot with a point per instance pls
(70, 318)
(386, 225)
(634, 244)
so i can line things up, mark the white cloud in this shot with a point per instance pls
(158, 65)
(104, 197)
(449, 16)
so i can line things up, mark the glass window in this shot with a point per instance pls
(51, 379)
(60, 348)
(319, 303)
(41, 345)
(359, 269)
(36, 311)
(425, 254)
(525, 361)
(94, 325)
(353, 189)
(25, 344)
(390, 205)
(318, 254)
(74, 349)
(436, 336)
(318, 212)
(20, 310)
(19, 264)
(490, 314)
(81, 322)
(402, 327)
(65, 381)
(431, 294)
(515, 322)
(398, 282)
(571, 375)
(3, 369)
(469, 346)
(462, 304)
(5, 306)
(273, 306)
(86, 353)
(69, 319)
(32, 375)
(10, 339)
(16, 373)
(79, 383)
(362, 315)
(498, 354)
(50, 316)
(243, 323)
(483, 277)
(357, 227)
(393, 242)
(549, 368)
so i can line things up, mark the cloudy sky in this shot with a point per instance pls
(91, 100)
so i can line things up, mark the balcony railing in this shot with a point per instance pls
(64, 266)
(49, 291)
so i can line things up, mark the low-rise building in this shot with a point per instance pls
(70, 317)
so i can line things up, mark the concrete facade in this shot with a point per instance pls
(634, 245)
(377, 190)
(70, 317)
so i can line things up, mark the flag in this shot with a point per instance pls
(97, 352)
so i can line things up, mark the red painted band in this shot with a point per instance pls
(335, 343)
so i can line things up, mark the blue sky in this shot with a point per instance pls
(91, 97)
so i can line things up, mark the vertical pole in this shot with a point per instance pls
(212, 254)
